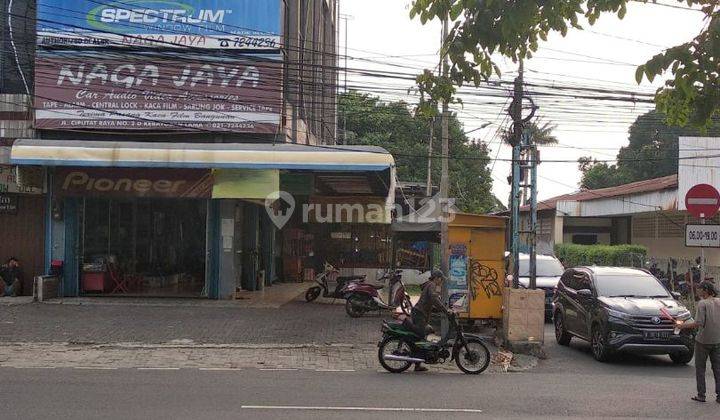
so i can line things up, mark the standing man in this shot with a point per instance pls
(11, 278)
(707, 340)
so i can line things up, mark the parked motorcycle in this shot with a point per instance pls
(323, 279)
(400, 348)
(365, 297)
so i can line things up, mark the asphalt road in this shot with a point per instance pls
(569, 384)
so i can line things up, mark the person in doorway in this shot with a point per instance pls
(429, 301)
(707, 340)
(11, 278)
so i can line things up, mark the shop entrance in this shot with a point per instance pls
(143, 247)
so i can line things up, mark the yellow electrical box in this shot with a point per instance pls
(477, 264)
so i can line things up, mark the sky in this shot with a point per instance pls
(381, 36)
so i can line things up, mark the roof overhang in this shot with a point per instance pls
(664, 200)
(200, 155)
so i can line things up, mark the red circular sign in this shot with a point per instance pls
(702, 200)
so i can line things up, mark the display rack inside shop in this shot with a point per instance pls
(416, 250)
(354, 245)
(297, 255)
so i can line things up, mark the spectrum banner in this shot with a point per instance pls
(219, 24)
(147, 92)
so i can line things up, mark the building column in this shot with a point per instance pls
(558, 229)
(226, 247)
(69, 247)
(250, 252)
(213, 241)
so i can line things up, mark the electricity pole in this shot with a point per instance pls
(522, 146)
(345, 81)
(444, 179)
(516, 115)
(428, 191)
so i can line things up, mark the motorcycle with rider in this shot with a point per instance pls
(404, 343)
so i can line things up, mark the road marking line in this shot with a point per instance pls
(159, 368)
(395, 409)
(281, 369)
(95, 367)
(220, 369)
(33, 367)
(334, 370)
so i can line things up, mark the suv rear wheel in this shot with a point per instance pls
(598, 343)
(561, 335)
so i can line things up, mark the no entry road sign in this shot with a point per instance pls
(702, 201)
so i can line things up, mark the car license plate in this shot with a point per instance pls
(656, 335)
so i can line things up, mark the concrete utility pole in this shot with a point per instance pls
(516, 115)
(346, 18)
(523, 147)
(532, 152)
(444, 178)
(428, 191)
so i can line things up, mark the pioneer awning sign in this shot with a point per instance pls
(702, 236)
(129, 182)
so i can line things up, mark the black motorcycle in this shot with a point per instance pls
(400, 347)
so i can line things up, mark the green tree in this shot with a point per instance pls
(541, 133)
(514, 29)
(393, 126)
(599, 174)
(651, 153)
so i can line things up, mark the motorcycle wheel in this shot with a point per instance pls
(473, 357)
(312, 293)
(354, 307)
(406, 305)
(394, 346)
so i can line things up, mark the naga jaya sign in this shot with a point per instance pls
(145, 92)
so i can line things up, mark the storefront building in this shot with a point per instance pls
(204, 220)
(158, 145)
(22, 222)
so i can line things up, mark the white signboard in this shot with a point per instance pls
(697, 164)
(702, 236)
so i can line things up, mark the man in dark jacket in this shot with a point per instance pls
(429, 300)
(11, 277)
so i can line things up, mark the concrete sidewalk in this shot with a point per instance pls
(271, 297)
(122, 333)
(14, 301)
(162, 321)
(193, 333)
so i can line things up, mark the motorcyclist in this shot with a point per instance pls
(429, 300)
